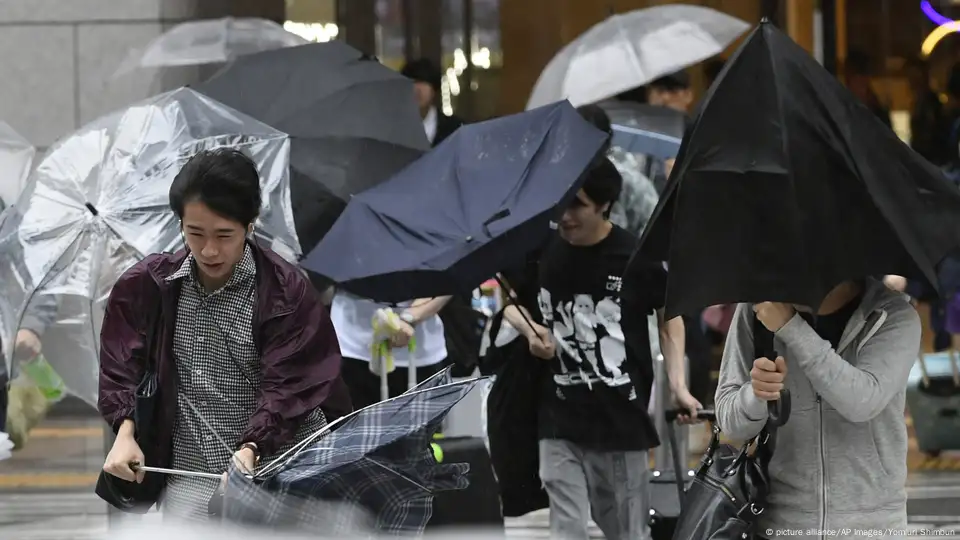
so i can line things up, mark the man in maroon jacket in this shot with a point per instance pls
(246, 357)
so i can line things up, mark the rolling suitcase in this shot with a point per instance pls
(666, 487)
(933, 400)
(478, 506)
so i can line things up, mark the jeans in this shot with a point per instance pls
(611, 487)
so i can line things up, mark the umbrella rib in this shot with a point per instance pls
(396, 472)
(784, 147)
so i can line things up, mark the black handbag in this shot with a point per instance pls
(729, 490)
(132, 497)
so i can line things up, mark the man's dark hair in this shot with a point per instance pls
(224, 179)
(603, 184)
(423, 70)
(600, 120)
(672, 83)
(858, 62)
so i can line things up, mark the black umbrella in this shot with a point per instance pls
(475, 204)
(786, 185)
(353, 122)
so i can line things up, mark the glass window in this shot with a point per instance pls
(471, 70)
(390, 32)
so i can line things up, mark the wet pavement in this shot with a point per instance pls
(46, 489)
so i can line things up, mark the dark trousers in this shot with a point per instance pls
(699, 355)
(364, 386)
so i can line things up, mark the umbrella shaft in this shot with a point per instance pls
(176, 472)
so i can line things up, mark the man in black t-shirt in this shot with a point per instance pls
(594, 429)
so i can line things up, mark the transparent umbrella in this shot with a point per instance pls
(208, 42)
(98, 202)
(16, 156)
(629, 50)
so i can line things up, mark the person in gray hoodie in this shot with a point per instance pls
(40, 313)
(840, 461)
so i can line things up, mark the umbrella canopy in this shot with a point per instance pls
(98, 202)
(629, 50)
(643, 116)
(16, 157)
(209, 41)
(353, 122)
(786, 185)
(378, 459)
(472, 206)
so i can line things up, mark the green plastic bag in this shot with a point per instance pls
(43, 376)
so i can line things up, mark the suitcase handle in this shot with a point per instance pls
(703, 414)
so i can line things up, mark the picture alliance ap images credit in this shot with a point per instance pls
(866, 533)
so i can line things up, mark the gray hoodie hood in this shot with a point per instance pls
(840, 461)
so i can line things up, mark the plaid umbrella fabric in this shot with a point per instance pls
(378, 461)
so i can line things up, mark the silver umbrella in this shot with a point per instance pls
(98, 202)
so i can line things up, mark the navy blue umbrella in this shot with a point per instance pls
(475, 204)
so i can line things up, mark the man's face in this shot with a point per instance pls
(216, 242)
(582, 219)
(678, 100)
(424, 93)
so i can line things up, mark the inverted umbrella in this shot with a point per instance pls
(629, 50)
(787, 185)
(98, 202)
(378, 459)
(16, 157)
(210, 41)
(467, 209)
(353, 122)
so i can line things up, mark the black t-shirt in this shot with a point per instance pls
(598, 394)
(830, 327)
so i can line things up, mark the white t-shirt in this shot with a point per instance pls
(352, 316)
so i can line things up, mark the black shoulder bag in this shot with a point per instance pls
(729, 491)
(127, 496)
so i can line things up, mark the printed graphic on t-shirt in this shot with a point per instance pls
(589, 337)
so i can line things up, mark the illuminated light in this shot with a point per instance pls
(481, 58)
(446, 102)
(945, 27)
(319, 32)
(453, 81)
(459, 61)
(932, 14)
(938, 34)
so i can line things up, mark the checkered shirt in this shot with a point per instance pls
(218, 368)
(378, 459)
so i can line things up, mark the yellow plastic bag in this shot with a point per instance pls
(27, 407)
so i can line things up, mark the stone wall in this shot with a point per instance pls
(58, 57)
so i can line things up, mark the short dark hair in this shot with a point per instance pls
(603, 184)
(224, 179)
(672, 82)
(423, 70)
(600, 120)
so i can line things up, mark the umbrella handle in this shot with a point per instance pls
(779, 411)
(511, 299)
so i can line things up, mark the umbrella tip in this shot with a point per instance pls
(93, 209)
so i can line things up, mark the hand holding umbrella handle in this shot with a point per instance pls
(778, 412)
